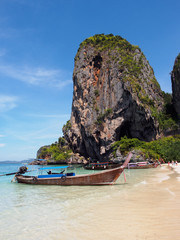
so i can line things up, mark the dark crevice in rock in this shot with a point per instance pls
(97, 61)
(175, 79)
(123, 130)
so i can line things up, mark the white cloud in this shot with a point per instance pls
(64, 83)
(28, 135)
(49, 115)
(1, 135)
(7, 103)
(2, 145)
(37, 76)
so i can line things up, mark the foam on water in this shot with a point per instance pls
(177, 168)
(143, 182)
(163, 179)
(178, 178)
(169, 191)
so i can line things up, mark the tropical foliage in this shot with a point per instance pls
(67, 126)
(167, 118)
(104, 115)
(57, 151)
(167, 148)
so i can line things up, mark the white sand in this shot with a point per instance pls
(148, 211)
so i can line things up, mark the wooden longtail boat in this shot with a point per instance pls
(102, 166)
(142, 165)
(107, 177)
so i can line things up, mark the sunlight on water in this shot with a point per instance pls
(142, 208)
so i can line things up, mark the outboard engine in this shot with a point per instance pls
(22, 170)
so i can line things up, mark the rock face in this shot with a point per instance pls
(115, 92)
(175, 79)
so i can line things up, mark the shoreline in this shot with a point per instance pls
(146, 207)
(149, 210)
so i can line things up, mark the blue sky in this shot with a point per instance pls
(38, 42)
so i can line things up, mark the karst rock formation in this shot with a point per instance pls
(115, 94)
(175, 79)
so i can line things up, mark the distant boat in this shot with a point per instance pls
(142, 165)
(102, 165)
(107, 177)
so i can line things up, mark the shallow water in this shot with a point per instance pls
(147, 206)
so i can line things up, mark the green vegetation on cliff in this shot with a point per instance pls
(107, 42)
(101, 116)
(122, 52)
(67, 126)
(167, 148)
(119, 50)
(177, 64)
(57, 151)
(167, 118)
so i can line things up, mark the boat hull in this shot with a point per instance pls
(89, 179)
(143, 166)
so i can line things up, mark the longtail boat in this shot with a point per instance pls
(142, 165)
(107, 177)
(102, 166)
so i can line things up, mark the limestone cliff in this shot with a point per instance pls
(115, 92)
(175, 79)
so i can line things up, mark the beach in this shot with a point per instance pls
(147, 207)
(150, 211)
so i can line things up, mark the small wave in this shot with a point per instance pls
(178, 178)
(169, 191)
(141, 183)
(164, 179)
(177, 169)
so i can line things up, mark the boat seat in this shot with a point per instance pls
(70, 174)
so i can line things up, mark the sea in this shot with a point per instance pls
(142, 205)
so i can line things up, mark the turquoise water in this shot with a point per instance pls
(57, 212)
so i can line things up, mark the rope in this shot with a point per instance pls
(124, 176)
